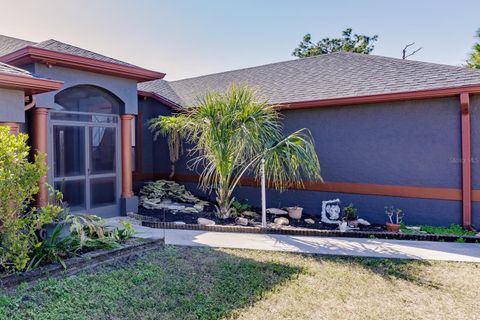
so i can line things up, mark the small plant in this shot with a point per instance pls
(124, 234)
(350, 213)
(240, 206)
(52, 250)
(391, 212)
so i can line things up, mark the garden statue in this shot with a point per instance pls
(331, 211)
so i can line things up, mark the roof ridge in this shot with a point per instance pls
(368, 56)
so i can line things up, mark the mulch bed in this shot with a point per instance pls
(163, 219)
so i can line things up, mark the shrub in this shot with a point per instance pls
(18, 185)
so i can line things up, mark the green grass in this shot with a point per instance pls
(203, 283)
(454, 229)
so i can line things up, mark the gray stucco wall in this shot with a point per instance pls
(410, 143)
(125, 89)
(12, 105)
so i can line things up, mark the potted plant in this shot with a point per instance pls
(393, 226)
(350, 216)
(295, 212)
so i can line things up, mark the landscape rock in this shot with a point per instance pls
(276, 211)
(363, 222)
(241, 221)
(250, 214)
(282, 221)
(477, 235)
(165, 191)
(205, 222)
(179, 222)
(309, 221)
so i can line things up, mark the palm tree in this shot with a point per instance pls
(235, 133)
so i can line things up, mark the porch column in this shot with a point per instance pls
(40, 145)
(14, 126)
(126, 123)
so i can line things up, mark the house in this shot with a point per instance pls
(387, 131)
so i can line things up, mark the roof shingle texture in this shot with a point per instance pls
(6, 68)
(9, 45)
(335, 75)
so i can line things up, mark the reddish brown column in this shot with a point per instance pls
(40, 145)
(14, 127)
(466, 161)
(126, 123)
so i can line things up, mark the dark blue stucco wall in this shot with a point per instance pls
(410, 143)
(475, 131)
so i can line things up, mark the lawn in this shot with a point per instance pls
(202, 283)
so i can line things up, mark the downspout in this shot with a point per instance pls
(31, 104)
(466, 161)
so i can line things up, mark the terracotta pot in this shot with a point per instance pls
(393, 227)
(295, 212)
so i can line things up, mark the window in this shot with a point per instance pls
(89, 99)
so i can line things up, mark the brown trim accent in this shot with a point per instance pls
(126, 137)
(40, 145)
(14, 127)
(454, 194)
(32, 54)
(30, 85)
(159, 98)
(378, 98)
(466, 163)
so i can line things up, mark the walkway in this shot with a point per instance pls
(361, 247)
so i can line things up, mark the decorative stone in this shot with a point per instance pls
(363, 222)
(164, 191)
(343, 226)
(190, 210)
(414, 228)
(277, 212)
(282, 221)
(179, 222)
(331, 211)
(477, 235)
(205, 222)
(199, 207)
(250, 214)
(309, 221)
(241, 221)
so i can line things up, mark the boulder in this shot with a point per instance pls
(241, 221)
(205, 222)
(281, 221)
(363, 222)
(309, 221)
(277, 212)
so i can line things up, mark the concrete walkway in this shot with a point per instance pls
(361, 247)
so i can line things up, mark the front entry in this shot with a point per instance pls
(85, 161)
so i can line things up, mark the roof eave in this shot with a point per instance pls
(378, 98)
(29, 85)
(32, 54)
(159, 98)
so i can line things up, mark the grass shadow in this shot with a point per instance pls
(170, 283)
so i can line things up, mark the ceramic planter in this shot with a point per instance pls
(295, 212)
(393, 227)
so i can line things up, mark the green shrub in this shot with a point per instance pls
(350, 212)
(240, 206)
(18, 186)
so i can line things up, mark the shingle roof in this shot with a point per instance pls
(9, 44)
(6, 68)
(335, 75)
(59, 46)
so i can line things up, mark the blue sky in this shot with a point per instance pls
(189, 38)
